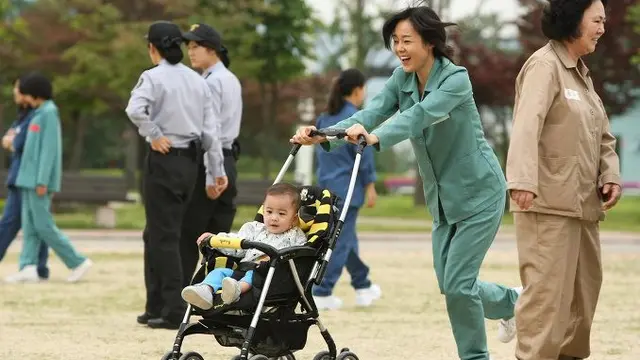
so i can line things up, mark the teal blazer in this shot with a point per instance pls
(42, 155)
(460, 172)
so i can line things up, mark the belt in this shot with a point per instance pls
(191, 151)
(188, 152)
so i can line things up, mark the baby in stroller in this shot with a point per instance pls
(286, 250)
(280, 229)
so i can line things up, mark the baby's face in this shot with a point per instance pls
(279, 213)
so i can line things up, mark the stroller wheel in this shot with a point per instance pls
(347, 355)
(191, 355)
(167, 356)
(286, 357)
(322, 355)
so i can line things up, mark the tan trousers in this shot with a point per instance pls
(561, 272)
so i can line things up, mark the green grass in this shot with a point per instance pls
(624, 217)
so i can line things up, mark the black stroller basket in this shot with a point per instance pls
(264, 323)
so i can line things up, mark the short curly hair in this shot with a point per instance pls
(561, 18)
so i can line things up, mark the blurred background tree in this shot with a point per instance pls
(95, 51)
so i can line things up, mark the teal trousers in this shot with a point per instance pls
(458, 252)
(38, 226)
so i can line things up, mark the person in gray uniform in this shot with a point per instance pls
(171, 106)
(213, 210)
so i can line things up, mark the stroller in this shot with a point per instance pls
(271, 321)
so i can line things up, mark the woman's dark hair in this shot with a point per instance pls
(22, 108)
(561, 18)
(426, 23)
(169, 49)
(222, 52)
(343, 85)
(36, 85)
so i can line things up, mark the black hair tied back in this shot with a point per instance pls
(224, 56)
(343, 86)
(169, 48)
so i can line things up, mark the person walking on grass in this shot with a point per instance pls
(39, 177)
(334, 173)
(11, 223)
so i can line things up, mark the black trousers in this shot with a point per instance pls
(206, 215)
(168, 184)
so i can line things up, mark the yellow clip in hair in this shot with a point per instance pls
(194, 26)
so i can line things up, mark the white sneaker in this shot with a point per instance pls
(80, 271)
(330, 302)
(199, 295)
(507, 328)
(366, 297)
(28, 274)
(230, 290)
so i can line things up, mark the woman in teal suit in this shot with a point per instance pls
(38, 178)
(464, 185)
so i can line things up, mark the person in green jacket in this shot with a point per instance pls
(464, 185)
(38, 178)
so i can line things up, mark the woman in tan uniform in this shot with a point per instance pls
(562, 174)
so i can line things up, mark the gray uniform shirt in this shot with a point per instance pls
(227, 101)
(175, 102)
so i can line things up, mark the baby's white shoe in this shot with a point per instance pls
(199, 295)
(230, 290)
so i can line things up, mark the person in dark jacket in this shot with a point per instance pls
(10, 223)
(334, 172)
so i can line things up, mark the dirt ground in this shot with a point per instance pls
(95, 319)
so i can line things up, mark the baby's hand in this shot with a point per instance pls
(203, 237)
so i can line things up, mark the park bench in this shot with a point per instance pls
(252, 191)
(89, 189)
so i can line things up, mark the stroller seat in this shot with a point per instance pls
(316, 216)
(280, 329)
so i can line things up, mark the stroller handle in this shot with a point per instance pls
(219, 242)
(330, 132)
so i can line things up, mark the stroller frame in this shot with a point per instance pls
(277, 257)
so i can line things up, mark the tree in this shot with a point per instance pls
(492, 63)
(634, 18)
(285, 41)
(95, 51)
(615, 81)
(354, 37)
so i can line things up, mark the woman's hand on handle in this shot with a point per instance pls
(302, 136)
(356, 130)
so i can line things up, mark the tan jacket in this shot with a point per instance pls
(561, 148)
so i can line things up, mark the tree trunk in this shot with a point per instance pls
(358, 24)
(266, 131)
(78, 142)
(273, 115)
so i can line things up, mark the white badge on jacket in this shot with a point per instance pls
(571, 94)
